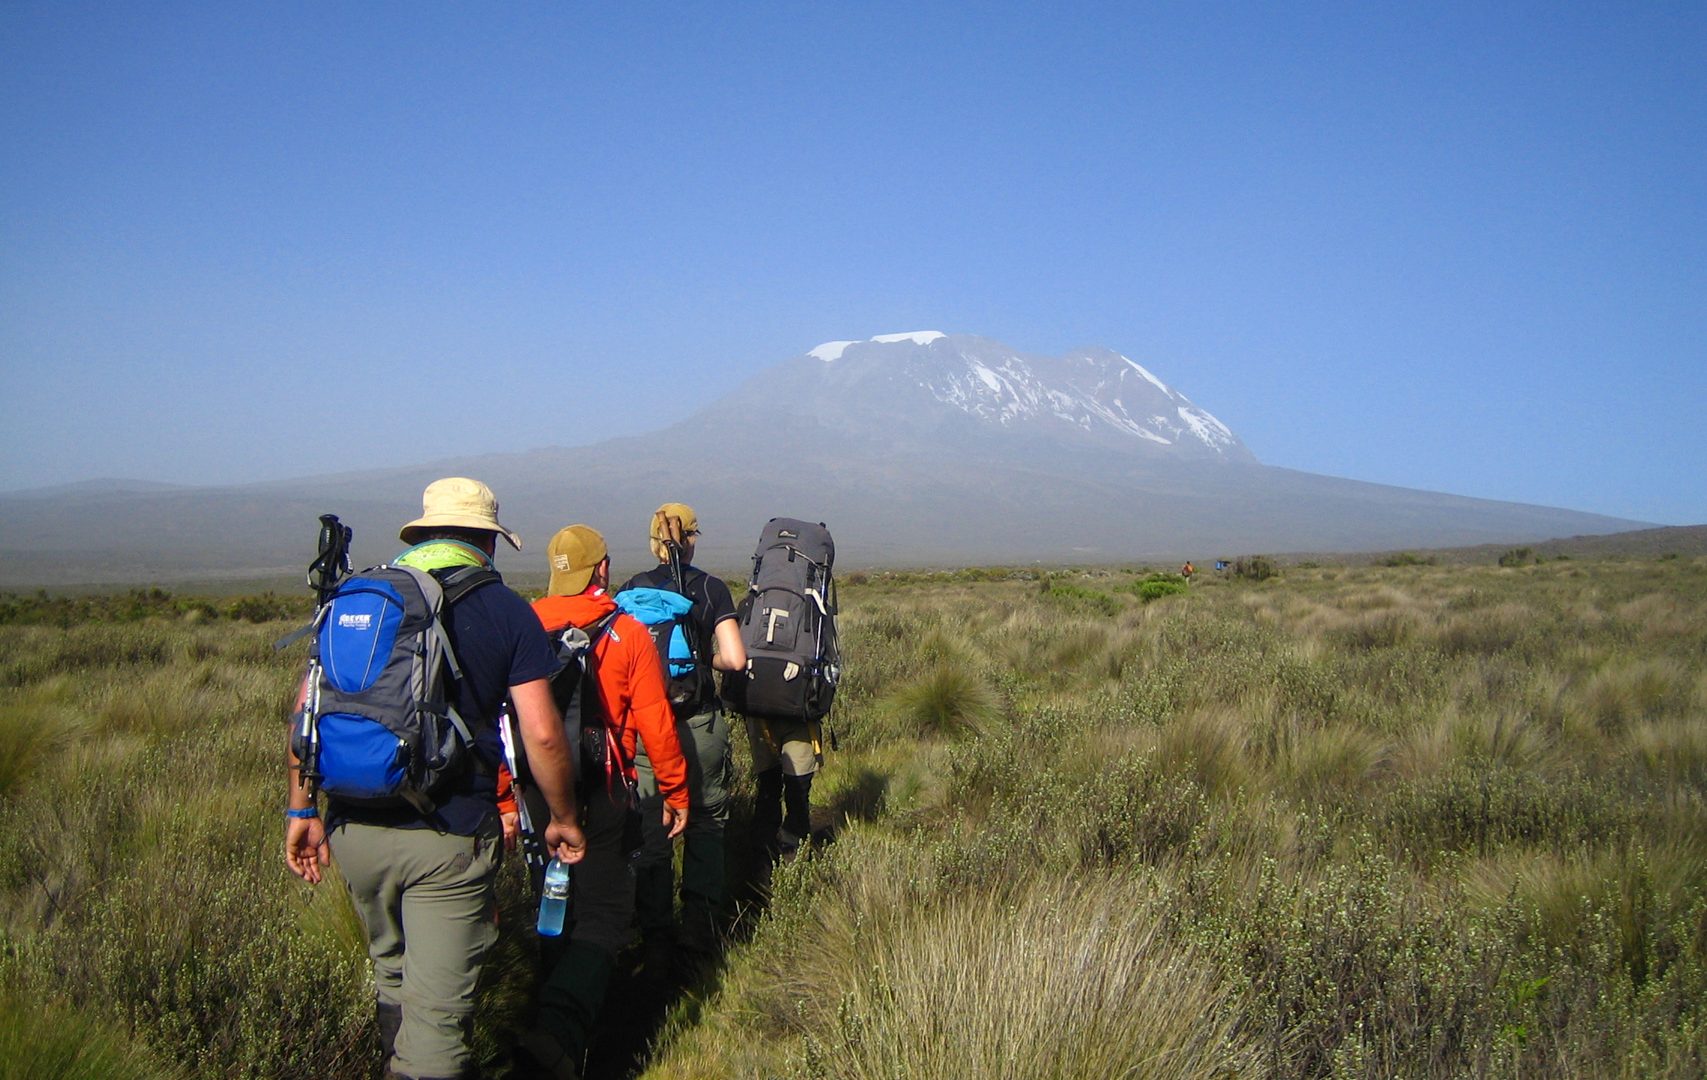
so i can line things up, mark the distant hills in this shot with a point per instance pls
(917, 449)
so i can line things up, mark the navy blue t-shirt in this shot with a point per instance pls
(499, 644)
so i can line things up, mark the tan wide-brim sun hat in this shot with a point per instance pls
(461, 503)
(660, 523)
(573, 554)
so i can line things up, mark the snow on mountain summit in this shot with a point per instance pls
(1096, 391)
(833, 350)
(917, 337)
(910, 378)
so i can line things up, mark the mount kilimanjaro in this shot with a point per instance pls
(917, 449)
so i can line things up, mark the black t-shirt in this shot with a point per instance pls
(498, 644)
(712, 603)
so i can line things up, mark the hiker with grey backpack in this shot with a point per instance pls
(787, 623)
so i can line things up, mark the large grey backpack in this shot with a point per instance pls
(788, 624)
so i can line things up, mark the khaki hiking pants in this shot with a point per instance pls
(440, 887)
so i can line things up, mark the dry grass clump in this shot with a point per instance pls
(51, 1040)
(1487, 630)
(37, 723)
(945, 700)
(1627, 691)
(873, 967)
(1208, 745)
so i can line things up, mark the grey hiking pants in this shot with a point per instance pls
(705, 890)
(441, 887)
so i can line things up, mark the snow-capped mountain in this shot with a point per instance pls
(915, 448)
(928, 380)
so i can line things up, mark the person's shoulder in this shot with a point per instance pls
(645, 579)
(500, 603)
(716, 587)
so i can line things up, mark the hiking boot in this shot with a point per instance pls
(540, 1057)
(797, 801)
(767, 811)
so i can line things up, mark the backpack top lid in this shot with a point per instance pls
(654, 606)
(809, 539)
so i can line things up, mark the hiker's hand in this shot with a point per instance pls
(565, 840)
(305, 848)
(675, 820)
(512, 829)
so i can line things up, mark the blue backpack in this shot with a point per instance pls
(378, 727)
(665, 614)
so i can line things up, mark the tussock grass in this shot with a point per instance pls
(945, 700)
(36, 723)
(905, 974)
(48, 1040)
(1209, 746)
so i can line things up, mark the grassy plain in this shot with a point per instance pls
(1407, 820)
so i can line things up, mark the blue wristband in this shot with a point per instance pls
(305, 812)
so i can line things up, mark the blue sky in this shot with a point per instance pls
(1453, 247)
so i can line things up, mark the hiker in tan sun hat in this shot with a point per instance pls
(456, 502)
(440, 866)
(705, 635)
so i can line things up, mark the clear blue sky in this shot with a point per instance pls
(1454, 247)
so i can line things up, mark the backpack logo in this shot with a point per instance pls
(355, 620)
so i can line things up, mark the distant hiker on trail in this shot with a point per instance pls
(1187, 570)
(421, 868)
(695, 636)
(623, 694)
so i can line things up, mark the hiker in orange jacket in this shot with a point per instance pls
(632, 701)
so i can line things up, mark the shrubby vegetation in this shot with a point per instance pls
(1391, 821)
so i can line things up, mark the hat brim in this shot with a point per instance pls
(411, 533)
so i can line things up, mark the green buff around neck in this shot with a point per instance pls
(439, 554)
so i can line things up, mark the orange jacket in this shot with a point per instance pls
(631, 686)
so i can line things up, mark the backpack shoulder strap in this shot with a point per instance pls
(453, 586)
(463, 580)
(596, 629)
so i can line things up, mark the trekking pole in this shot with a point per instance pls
(673, 540)
(332, 563)
(330, 567)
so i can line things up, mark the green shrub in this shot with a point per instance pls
(1406, 558)
(1156, 586)
(1518, 556)
(1079, 597)
(1255, 568)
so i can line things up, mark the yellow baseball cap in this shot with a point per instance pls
(574, 553)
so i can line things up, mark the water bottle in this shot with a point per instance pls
(554, 899)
